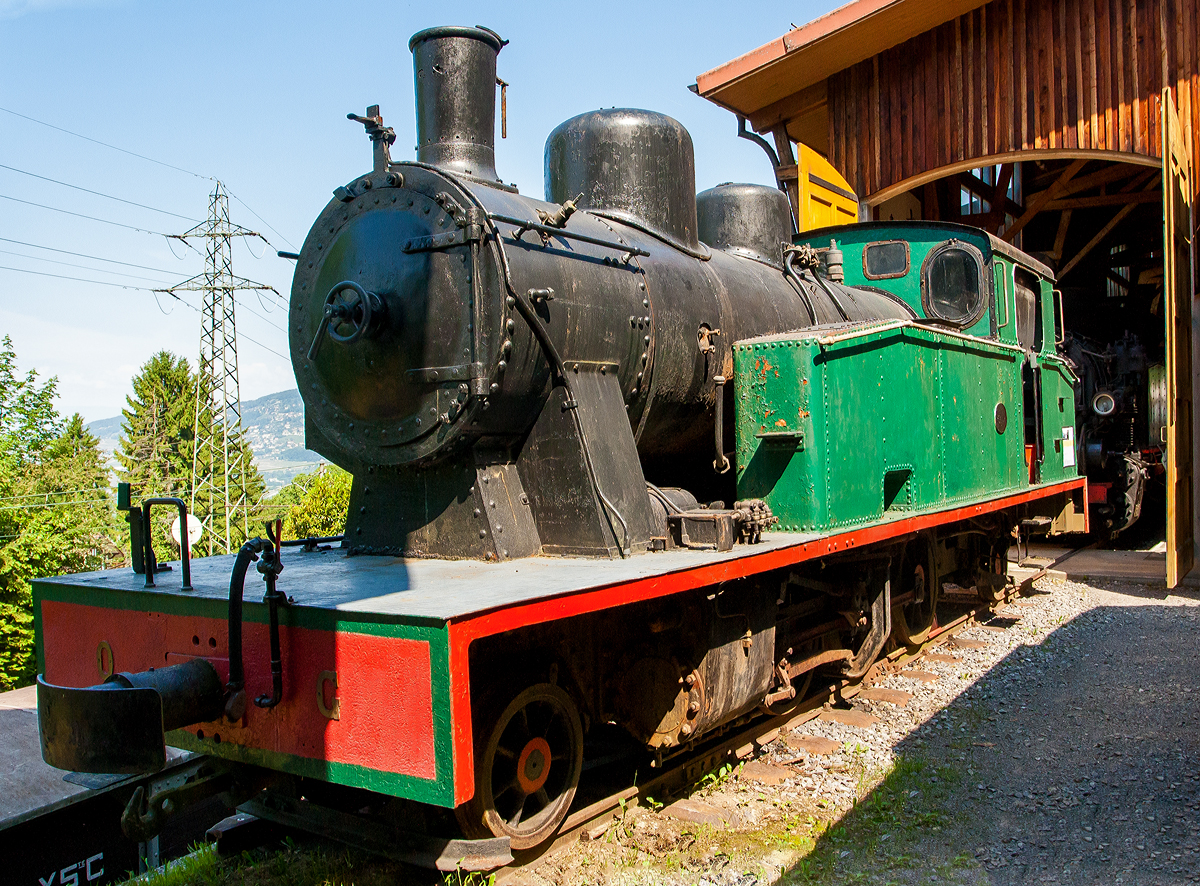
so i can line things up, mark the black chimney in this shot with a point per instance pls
(455, 76)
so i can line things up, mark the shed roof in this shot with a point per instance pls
(809, 54)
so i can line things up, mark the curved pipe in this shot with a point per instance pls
(237, 583)
(792, 277)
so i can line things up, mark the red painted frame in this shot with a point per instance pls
(463, 632)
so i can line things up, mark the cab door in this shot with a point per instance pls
(1177, 313)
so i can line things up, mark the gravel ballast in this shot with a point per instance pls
(1058, 743)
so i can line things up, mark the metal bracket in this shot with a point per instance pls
(440, 374)
(444, 240)
(789, 439)
(145, 816)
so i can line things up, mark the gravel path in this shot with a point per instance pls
(1060, 743)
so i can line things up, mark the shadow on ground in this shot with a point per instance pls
(1073, 761)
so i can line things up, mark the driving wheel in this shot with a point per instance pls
(526, 769)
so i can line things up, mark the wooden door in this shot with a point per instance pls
(1177, 313)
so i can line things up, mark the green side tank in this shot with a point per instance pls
(852, 424)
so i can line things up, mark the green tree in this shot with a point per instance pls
(158, 444)
(312, 505)
(155, 453)
(56, 513)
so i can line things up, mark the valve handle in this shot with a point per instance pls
(357, 310)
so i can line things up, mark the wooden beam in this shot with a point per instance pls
(798, 104)
(1036, 205)
(1118, 279)
(1104, 200)
(787, 160)
(1113, 173)
(1000, 199)
(980, 188)
(1060, 239)
(930, 206)
(1097, 240)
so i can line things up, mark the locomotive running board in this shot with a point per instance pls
(421, 850)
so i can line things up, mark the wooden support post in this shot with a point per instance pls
(787, 158)
(1060, 239)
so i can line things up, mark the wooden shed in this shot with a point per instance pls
(1066, 127)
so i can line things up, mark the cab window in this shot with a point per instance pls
(952, 284)
(1029, 311)
(885, 260)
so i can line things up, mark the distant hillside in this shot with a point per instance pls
(274, 425)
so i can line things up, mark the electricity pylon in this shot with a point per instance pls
(218, 453)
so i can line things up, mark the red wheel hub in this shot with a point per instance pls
(533, 766)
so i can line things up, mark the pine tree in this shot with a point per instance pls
(158, 442)
(155, 454)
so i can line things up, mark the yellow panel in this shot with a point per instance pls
(1177, 291)
(825, 197)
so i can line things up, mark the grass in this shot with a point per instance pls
(312, 865)
(882, 838)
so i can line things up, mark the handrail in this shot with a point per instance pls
(185, 558)
(1003, 277)
(524, 225)
(1060, 334)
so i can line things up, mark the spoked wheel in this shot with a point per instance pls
(912, 621)
(527, 770)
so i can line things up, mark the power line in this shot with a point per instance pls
(261, 219)
(140, 289)
(266, 320)
(107, 145)
(56, 492)
(85, 280)
(148, 160)
(54, 504)
(113, 261)
(83, 267)
(81, 215)
(84, 255)
(96, 193)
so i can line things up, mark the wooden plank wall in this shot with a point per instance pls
(1017, 75)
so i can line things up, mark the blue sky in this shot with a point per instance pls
(257, 95)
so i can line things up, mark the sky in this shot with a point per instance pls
(255, 94)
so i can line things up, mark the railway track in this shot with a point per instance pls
(743, 742)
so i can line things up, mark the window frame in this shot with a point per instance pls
(985, 284)
(907, 259)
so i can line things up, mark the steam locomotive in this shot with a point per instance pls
(626, 457)
(1122, 408)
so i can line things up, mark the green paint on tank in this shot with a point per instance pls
(1016, 310)
(846, 426)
